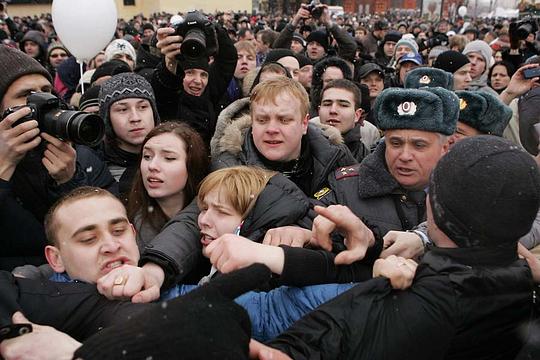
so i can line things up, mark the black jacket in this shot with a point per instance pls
(372, 193)
(198, 111)
(459, 307)
(177, 248)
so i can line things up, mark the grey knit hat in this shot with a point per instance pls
(124, 86)
(15, 64)
(431, 109)
(482, 48)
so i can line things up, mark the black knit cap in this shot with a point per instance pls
(124, 86)
(195, 63)
(485, 192)
(110, 68)
(15, 64)
(204, 324)
(320, 37)
(393, 36)
(450, 61)
(483, 111)
(90, 98)
(275, 54)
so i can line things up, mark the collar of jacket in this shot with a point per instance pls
(503, 255)
(353, 135)
(113, 154)
(374, 179)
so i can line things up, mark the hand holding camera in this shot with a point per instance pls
(170, 46)
(16, 141)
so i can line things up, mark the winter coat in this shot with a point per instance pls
(463, 304)
(80, 311)
(200, 112)
(233, 145)
(528, 106)
(372, 193)
(177, 248)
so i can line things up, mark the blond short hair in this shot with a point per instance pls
(246, 46)
(271, 89)
(239, 185)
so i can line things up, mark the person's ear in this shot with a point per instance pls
(54, 258)
(358, 116)
(305, 123)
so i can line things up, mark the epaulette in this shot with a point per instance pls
(347, 171)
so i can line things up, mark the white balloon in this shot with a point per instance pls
(85, 27)
(462, 10)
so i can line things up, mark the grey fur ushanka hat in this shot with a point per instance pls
(483, 111)
(427, 109)
(430, 77)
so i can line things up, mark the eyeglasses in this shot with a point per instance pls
(54, 56)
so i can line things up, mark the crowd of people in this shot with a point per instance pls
(265, 186)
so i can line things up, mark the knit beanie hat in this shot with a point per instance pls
(110, 68)
(481, 47)
(450, 61)
(15, 64)
(427, 109)
(410, 43)
(120, 46)
(483, 111)
(275, 54)
(485, 192)
(303, 60)
(299, 38)
(124, 86)
(90, 98)
(55, 46)
(320, 37)
(203, 324)
(393, 36)
(36, 36)
(431, 77)
(436, 51)
(195, 63)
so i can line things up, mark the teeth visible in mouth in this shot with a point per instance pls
(114, 264)
(154, 180)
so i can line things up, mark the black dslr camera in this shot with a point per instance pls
(521, 29)
(200, 37)
(54, 119)
(315, 9)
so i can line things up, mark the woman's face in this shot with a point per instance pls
(499, 78)
(163, 167)
(217, 217)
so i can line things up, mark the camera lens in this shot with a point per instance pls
(194, 44)
(79, 127)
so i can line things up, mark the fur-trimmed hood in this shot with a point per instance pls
(235, 120)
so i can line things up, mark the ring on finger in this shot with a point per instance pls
(119, 280)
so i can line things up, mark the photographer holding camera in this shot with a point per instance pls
(187, 85)
(523, 44)
(36, 166)
(318, 48)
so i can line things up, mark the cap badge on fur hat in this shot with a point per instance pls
(425, 80)
(462, 104)
(407, 108)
